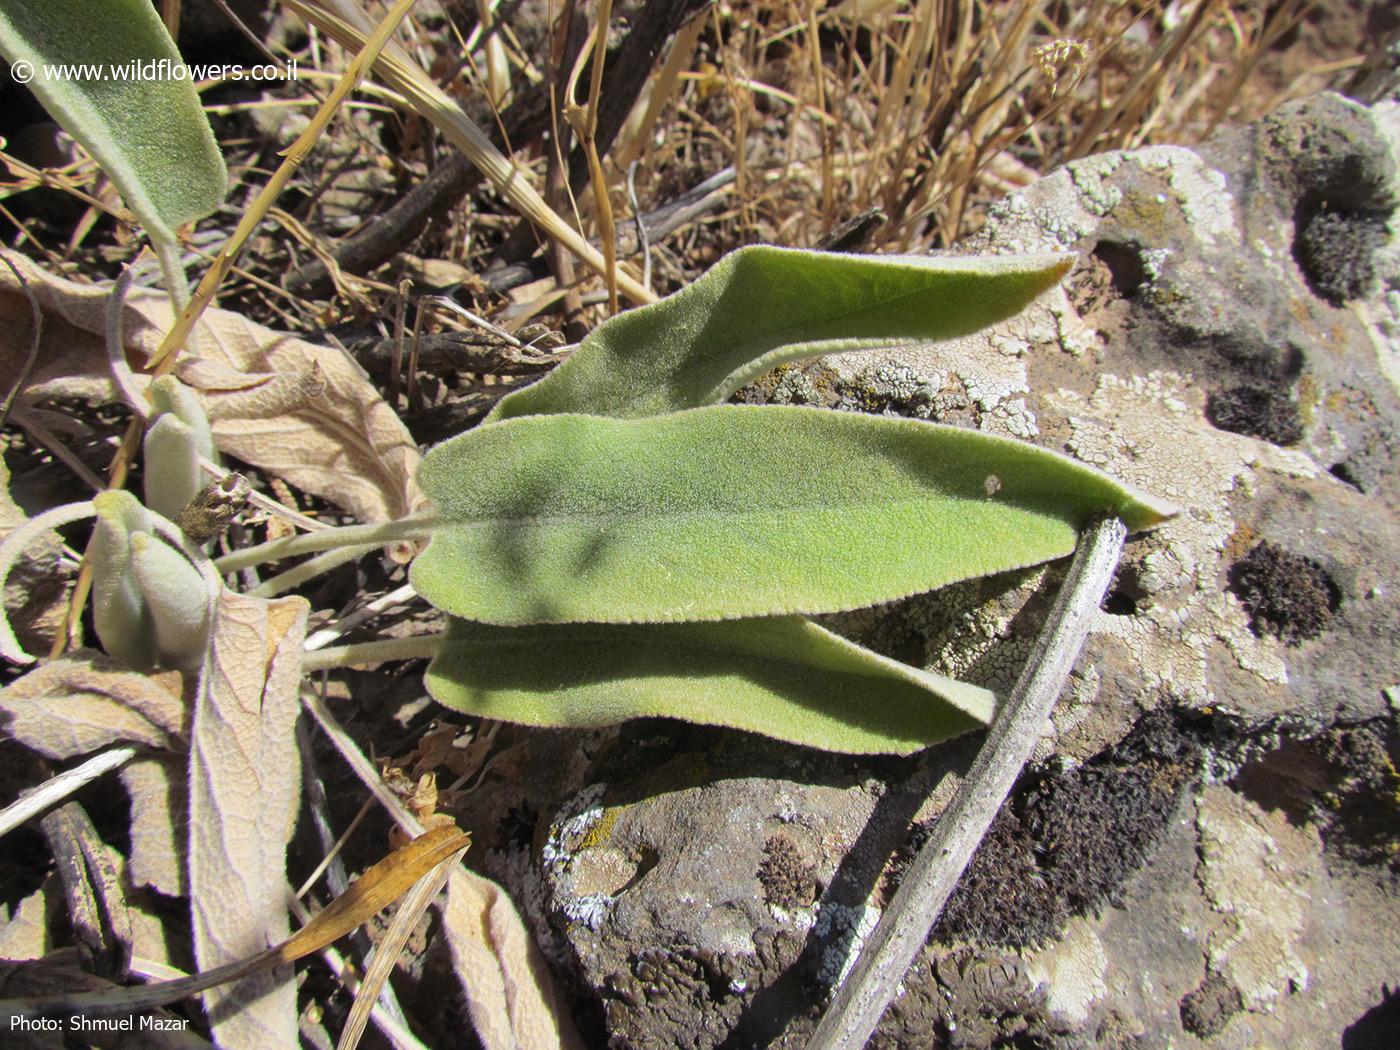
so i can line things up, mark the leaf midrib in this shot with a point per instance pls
(788, 510)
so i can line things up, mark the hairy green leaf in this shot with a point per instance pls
(119, 610)
(760, 306)
(735, 510)
(149, 134)
(781, 676)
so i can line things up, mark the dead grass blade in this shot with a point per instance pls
(59, 787)
(382, 884)
(344, 22)
(267, 196)
(584, 122)
(245, 783)
(390, 947)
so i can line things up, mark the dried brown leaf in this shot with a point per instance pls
(346, 446)
(25, 934)
(375, 890)
(35, 594)
(85, 701)
(502, 975)
(245, 782)
(159, 805)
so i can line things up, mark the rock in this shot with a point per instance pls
(1206, 847)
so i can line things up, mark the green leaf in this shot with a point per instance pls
(119, 610)
(735, 510)
(784, 677)
(760, 306)
(149, 135)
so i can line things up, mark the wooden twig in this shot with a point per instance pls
(328, 634)
(62, 785)
(906, 923)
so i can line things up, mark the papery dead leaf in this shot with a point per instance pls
(158, 788)
(25, 933)
(500, 969)
(245, 783)
(86, 701)
(35, 594)
(348, 446)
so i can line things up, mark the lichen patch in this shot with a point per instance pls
(1151, 432)
(1072, 971)
(1199, 189)
(1255, 870)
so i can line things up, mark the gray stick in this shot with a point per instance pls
(906, 923)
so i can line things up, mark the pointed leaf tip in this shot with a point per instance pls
(149, 134)
(762, 305)
(783, 677)
(735, 511)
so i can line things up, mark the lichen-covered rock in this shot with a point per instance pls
(1206, 848)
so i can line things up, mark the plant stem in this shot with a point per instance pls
(376, 534)
(310, 569)
(907, 922)
(61, 786)
(415, 648)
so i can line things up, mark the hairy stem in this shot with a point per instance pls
(374, 535)
(310, 569)
(418, 647)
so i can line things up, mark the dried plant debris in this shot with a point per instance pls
(1286, 595)
(345, 444)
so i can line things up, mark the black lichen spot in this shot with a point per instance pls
(787, 880)
(1003, 897)
(1336, 251)
(1257, 411)
(1068, 845)
(1344, 782)
(1286, 595)
(1206, 1011)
